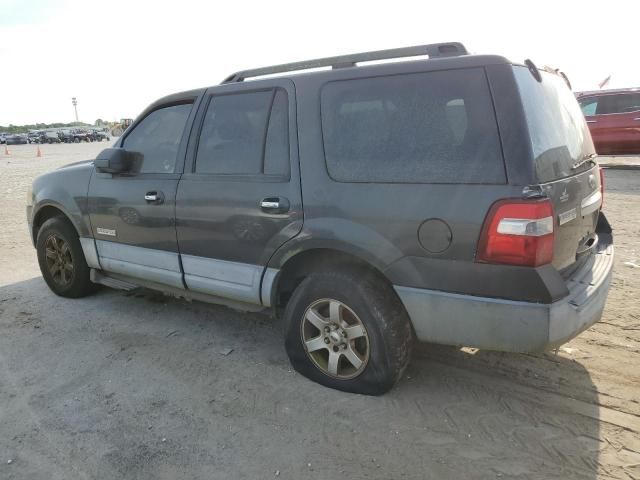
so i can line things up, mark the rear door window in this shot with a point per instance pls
(619, 103)
(434, 127)
(245, 134)
(632, 103)
(609, 104)
(276, 154)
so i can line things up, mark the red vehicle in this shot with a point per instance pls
(613, 117)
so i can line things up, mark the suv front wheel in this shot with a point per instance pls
(61, 259)
(347, 329)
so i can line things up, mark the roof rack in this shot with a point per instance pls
(434, 50)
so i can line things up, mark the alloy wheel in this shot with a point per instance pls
(335, 339)
(59, 259)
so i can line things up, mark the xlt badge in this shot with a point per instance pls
(567, 216)
(110, 232)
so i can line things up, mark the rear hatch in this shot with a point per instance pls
(564, 163)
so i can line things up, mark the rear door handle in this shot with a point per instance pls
(274, 205)
(592, 121)
(154, 197)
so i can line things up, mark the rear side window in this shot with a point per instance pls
(435, 127)
(245, 134)
(158, 137)
(558, 130)
(619, 103)
(631, 103)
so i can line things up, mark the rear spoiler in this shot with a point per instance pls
(556, 71)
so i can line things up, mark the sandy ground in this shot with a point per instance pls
(135, 386)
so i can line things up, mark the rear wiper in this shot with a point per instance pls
(589, 157)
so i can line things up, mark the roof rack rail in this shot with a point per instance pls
(434, 50)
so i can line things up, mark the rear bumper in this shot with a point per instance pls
(513, 326)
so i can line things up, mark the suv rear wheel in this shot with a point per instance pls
(61, 259)
(346, 329)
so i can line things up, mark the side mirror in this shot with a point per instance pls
(118, 160)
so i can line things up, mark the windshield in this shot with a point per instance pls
(557, 127)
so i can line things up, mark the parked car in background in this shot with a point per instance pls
(49, 137)
(63, 135)
(81, 135)
(17, 139)
(613, 117)
(98, 135)
(33, 137)
(3, 138)
(74, 135)
(68, 136)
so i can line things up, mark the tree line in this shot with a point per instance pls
(39, 126)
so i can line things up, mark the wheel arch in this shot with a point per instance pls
(44, 213)
(299, 265)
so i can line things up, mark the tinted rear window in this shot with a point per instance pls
(435, 127)
(557, 127)
(620, 103)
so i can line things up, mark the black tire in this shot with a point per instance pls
(79, 284)
(379, 309)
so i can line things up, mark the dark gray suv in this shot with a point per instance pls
(454, 199)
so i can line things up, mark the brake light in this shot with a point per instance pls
(601, 186)
(518, 232)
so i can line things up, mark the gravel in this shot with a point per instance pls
(138, 385)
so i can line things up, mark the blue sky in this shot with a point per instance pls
(117, 56)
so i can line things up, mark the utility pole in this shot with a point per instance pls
(75, 106)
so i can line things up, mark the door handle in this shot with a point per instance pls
(274, 205)
(592, 121)
(154, 197)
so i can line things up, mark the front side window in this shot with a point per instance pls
(589, 106)
(434, 127)
(158, 137)
(245, 134)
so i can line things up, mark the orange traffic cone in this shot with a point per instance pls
(6, 151)
(38, 153)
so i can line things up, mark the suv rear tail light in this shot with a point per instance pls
(518, 232)
(601, 186)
